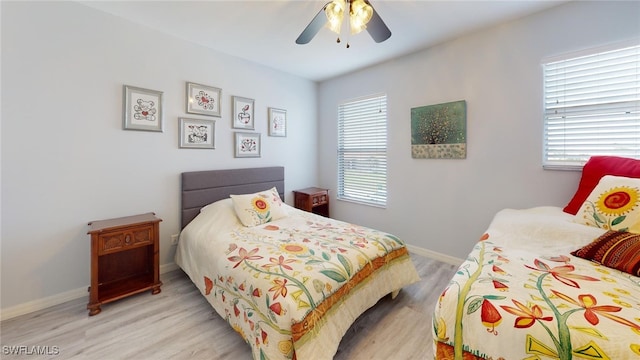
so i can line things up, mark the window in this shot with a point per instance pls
(592, 107)
(362, 151)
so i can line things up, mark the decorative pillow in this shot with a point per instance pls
(614, 204)
(594, 170)
(259, 208)
(614, 249)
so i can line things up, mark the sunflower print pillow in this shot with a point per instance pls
(614, 204)
(259, 208)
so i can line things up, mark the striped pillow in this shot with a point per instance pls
(614, 249)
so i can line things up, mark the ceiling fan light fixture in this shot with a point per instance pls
(335, 13)
(359, 15)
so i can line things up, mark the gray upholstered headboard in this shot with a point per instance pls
(200, 188)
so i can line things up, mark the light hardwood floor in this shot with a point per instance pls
(178, 323)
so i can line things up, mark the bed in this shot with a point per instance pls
(551, 283)
(289, 282)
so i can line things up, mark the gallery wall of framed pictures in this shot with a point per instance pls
(142, 110)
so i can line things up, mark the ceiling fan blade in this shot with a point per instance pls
(314, 26)
(377, 28)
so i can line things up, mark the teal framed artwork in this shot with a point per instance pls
(439, 131)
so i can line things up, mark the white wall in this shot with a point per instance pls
(67, 161)
(446, 205)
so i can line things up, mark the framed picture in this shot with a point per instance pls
(439, 131)
(197, 133)
(277, 122)
(243, 113)
(247, 144)
(142, 109)
(203, 99)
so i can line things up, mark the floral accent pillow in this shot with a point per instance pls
(594, 170)
(614, 204)
(259, 208)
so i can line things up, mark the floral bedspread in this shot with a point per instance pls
(521, 295)
(292, 287)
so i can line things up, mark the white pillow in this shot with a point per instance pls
(259, 208)
(218, 216)
(220, 205)
(614, 204)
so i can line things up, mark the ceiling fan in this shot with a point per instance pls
(361, 16)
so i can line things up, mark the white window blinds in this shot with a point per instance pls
(592, 107)
(362, 151)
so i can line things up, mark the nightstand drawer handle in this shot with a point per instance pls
(127, 239)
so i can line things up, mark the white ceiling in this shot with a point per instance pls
(265, 31)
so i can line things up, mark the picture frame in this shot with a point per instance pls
(243, 113)
(203, 100)
(247, 144)
(197, 133)
(142, 109)
(277, 122)
(439, 131)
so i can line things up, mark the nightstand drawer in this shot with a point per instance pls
(319, 199)
(118, 240)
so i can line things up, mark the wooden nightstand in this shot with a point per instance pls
(313, 199)
(124, 258)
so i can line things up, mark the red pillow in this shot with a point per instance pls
(596, 168)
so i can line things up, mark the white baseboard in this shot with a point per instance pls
(168, 267)
(57, 299)
(43, 303)
(435, 255)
